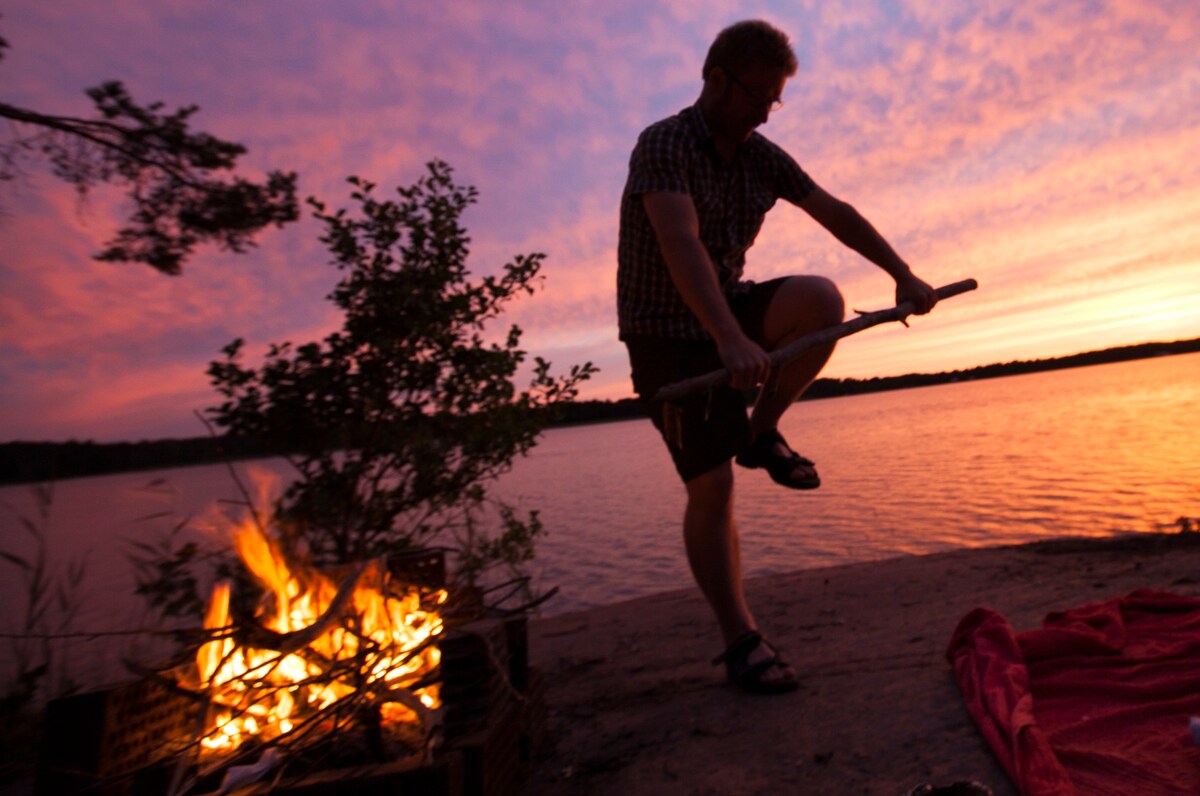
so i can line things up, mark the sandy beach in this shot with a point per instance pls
(635, 706)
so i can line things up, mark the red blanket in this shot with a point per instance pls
(1096, 701)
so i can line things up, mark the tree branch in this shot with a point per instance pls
(170, 172)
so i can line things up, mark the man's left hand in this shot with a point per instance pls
(912, 289)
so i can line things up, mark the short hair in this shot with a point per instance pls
(751, 41)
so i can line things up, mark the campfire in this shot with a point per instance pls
(370, 674)
(323, 651)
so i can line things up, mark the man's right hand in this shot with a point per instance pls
(748, 364)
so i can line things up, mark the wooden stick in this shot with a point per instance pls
(719, 378)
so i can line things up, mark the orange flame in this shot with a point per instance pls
(383, 634)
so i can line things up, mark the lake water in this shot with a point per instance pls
(1086, 451)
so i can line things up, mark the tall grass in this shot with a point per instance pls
(33, 630)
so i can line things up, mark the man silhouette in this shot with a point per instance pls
(699, 186)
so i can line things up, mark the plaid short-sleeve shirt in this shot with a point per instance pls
(677, 155)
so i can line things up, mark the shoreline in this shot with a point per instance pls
(635, 707)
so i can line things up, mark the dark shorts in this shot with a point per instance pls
(704, 430)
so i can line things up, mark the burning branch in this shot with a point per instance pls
(287, 643)
(318, 656)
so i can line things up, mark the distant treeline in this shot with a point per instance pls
(832, 388)
(27, 462)
(597, 411)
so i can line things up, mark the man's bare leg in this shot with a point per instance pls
(711, 538)
(801, 305)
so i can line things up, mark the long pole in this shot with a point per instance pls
(718, 378)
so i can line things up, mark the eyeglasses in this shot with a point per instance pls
(771, 105)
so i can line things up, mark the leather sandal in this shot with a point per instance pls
(749, 676)
(781, 467)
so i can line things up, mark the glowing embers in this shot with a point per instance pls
(324, 650)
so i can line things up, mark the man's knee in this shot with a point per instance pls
(829, 301)
(803, 304)
(712, 490)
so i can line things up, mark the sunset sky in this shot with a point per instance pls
(1048, 148)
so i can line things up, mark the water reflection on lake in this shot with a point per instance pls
(1083, 451)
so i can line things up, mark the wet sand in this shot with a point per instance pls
(635, 707)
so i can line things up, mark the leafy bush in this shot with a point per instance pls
(398, 423)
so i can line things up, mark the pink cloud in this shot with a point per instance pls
(1044, 148)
